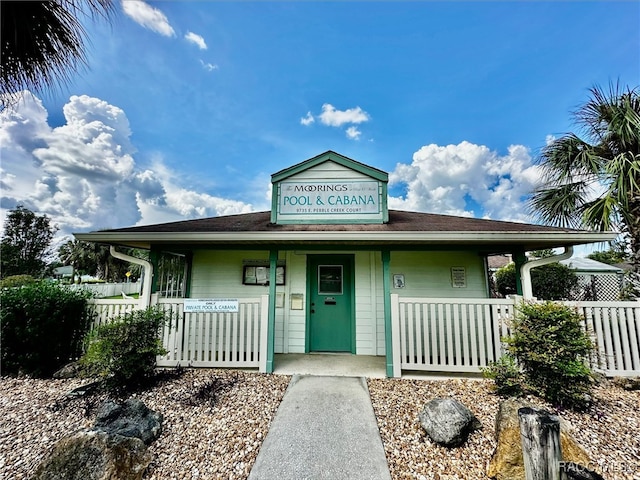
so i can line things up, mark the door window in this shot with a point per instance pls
(330, 279)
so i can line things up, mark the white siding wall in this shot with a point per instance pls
(328, 171)
(427, 274)
(218, 274)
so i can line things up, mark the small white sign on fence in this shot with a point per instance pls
(216, 305)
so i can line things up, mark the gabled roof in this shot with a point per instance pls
(330, 155)
(403, 228)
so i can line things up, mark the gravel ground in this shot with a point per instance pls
(201, 441)
(610, 432)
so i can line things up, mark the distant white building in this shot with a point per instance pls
(597, 280)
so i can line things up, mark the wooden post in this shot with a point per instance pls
(540, 436)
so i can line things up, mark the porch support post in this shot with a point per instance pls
(386, 285)
(271, 331)
(519, 258)
(154, 255)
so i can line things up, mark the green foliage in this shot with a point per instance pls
(592, 179)
(42, 325)
(507, 376)
(553, 351)
(553, 281)
(123, 352)
(25, 243)
(17, 281)
(610, 256)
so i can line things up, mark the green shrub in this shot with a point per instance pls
(553, 281)
(123, 352)
(553, 351)
(507, 376)
(42, 326)
(16, 281)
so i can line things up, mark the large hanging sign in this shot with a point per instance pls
(215, 305)
(329, 198)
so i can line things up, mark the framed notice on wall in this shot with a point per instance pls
(458, 277)
(259, 275)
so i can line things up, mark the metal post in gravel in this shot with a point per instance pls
(540, 436)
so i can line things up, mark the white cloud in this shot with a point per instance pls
(83, 174)
(353, 133)
(148, 17)
(467, 180)
(209, 67)
(336, 118)
(196, 40)
(308, 120)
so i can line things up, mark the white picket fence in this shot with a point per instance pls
(237, 340)
(216, 339)
(108, 289)
(428, 334)
(464, 335)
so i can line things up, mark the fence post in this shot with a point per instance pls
(540, 436)
(395, 335)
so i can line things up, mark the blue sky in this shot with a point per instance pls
(187, 108)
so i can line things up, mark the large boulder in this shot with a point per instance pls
(507, 462)
(93, 455)
(448, 422)
(115, 448)
(129, 419)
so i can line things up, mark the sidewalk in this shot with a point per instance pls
(325, 428)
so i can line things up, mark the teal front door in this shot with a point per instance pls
(331, 316)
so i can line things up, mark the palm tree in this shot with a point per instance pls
(43, 42)
(593, 180)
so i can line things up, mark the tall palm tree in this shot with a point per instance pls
(43, 42)
(593, 180)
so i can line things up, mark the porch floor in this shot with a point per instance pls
(329, 364)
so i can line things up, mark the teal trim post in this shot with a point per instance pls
(154, 255)
(271, 329)
(519, 258)
(386, 285)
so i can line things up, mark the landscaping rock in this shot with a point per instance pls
(93, 455)
(507, 461)
(114, 449)
(448, 422)
(129, 419)
(70, 370)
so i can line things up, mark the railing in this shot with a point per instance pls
(447, 334)
(104, 310)
(236, 340)
(464, 335)
(615, 329)
(216, 339)
(109, 289)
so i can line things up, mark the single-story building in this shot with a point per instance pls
(330, 259)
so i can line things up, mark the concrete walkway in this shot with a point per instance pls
(325, 428)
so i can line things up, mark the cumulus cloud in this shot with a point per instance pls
(466, 180)
(83, 174)
(332, 117)
(353, 133)
(148, 17)
(308, 120)
(336, 118)
(196, 40)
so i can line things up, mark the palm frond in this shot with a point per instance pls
(569, 158)
(601, 213)
(559, 205)
(43, 42)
